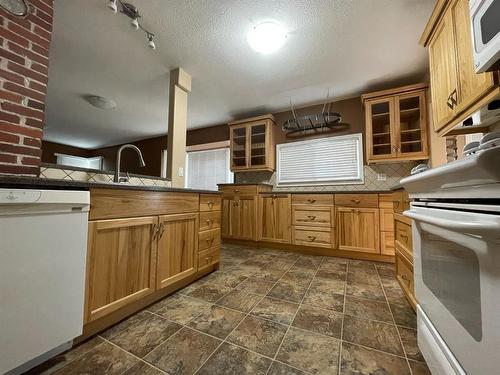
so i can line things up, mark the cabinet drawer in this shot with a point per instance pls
(208, 238)
(208, 257)
(209, 220)
(319, 217)
(356, 200)
(209, 202)
(321, 237)
(239, 189)
(403, 236)
(404, 274)
(313, 199)
(387, 243)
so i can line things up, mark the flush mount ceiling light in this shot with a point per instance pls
(267, 37)
(133, 13)
(100, 102)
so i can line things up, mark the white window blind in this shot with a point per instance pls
(206, 169)
(78, 161)
(332, 161)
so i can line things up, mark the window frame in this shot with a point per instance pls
(359, 180)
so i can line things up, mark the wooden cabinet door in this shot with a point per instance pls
(177, 248)
(472, 86)
(243, 217)
(380, 129)
(226, 212)
(121, 264)
(358, 229)
(239, 147)
(275, 218)
(443, 72)
(259, 145)
(411, 126)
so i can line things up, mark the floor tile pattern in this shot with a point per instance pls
(264, 312)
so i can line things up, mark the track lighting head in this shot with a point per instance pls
(112, 6)
(151, 43)
(135, 24)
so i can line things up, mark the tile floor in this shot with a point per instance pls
(264, 312)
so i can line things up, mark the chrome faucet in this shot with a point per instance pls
(118, 162)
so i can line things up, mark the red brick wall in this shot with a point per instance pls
(24, 63)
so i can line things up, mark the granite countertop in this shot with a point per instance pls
(246, 183)
(21, 182)
(329, 192)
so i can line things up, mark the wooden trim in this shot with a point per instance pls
(309, 250)
(208, 146)
(434, 18)
(253, 119)
(395, 91)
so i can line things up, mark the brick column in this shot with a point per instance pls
(24, 64)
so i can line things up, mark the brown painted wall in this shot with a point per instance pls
(351, 110)
(50, 148)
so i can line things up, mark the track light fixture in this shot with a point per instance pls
(133, 13)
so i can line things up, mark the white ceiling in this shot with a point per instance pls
(349, 46)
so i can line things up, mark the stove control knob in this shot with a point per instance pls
(419, 169)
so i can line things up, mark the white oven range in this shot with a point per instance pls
(456, 242)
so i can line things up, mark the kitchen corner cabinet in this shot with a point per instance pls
(121, 263)
(456, 90)
(275, 219)
(252, 144)
(177, 248)
(396, 124)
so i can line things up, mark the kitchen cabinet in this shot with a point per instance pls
(275, 219)
(386, 209)
(168, 240)
(177, 248)
(358, 229)
(404, 256)
(252, 145)
(121, 263)
(396, 124)
(456, 90)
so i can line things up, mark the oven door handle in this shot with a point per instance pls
(483, 227)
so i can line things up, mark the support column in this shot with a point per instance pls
(180, 87)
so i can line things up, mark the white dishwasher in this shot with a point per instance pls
(43, 245)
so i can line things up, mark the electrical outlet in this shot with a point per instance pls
(181, 172)
(381, 177)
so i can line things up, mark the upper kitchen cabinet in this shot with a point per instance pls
(252, 145)
(396, 124)
(456, 90)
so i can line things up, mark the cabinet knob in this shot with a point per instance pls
(356, 201)
(311, 200)
(311, 217)
(236, 190)
(311, 238)
(210, 204)
(404, 236)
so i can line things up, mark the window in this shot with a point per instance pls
(326, 161)
(206, 169)
(78, 161)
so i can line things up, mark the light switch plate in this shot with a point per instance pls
(181, 172)
(381, 177)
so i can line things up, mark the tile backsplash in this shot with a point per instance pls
(67, 173)
(393, 172)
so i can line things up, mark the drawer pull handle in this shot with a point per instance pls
(210, 241)
(154, 228)
(311, 200)
(357, 212)
(311, 217)
(405, 278)
(210, 222)
(235, 204)
(311, 238)
(396, 203)
(404, 236)
(210, 204)
(356, 201)
(236, 190)
(161, 229)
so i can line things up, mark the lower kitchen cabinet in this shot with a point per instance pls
(238, 220)
(358, 229)
(177, 248)
(275, 218)
(121, 263)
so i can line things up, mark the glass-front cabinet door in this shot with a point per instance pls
(258, 140)
(410, 120)
(380, 132)
(239, 143)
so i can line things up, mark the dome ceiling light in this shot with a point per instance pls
(100, 102)
(267, 37)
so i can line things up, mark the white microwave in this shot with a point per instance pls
(485, 20)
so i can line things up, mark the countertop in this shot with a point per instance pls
(246, 184)
(23, 182)
(329, 192)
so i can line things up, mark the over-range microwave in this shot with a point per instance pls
(485, 21)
